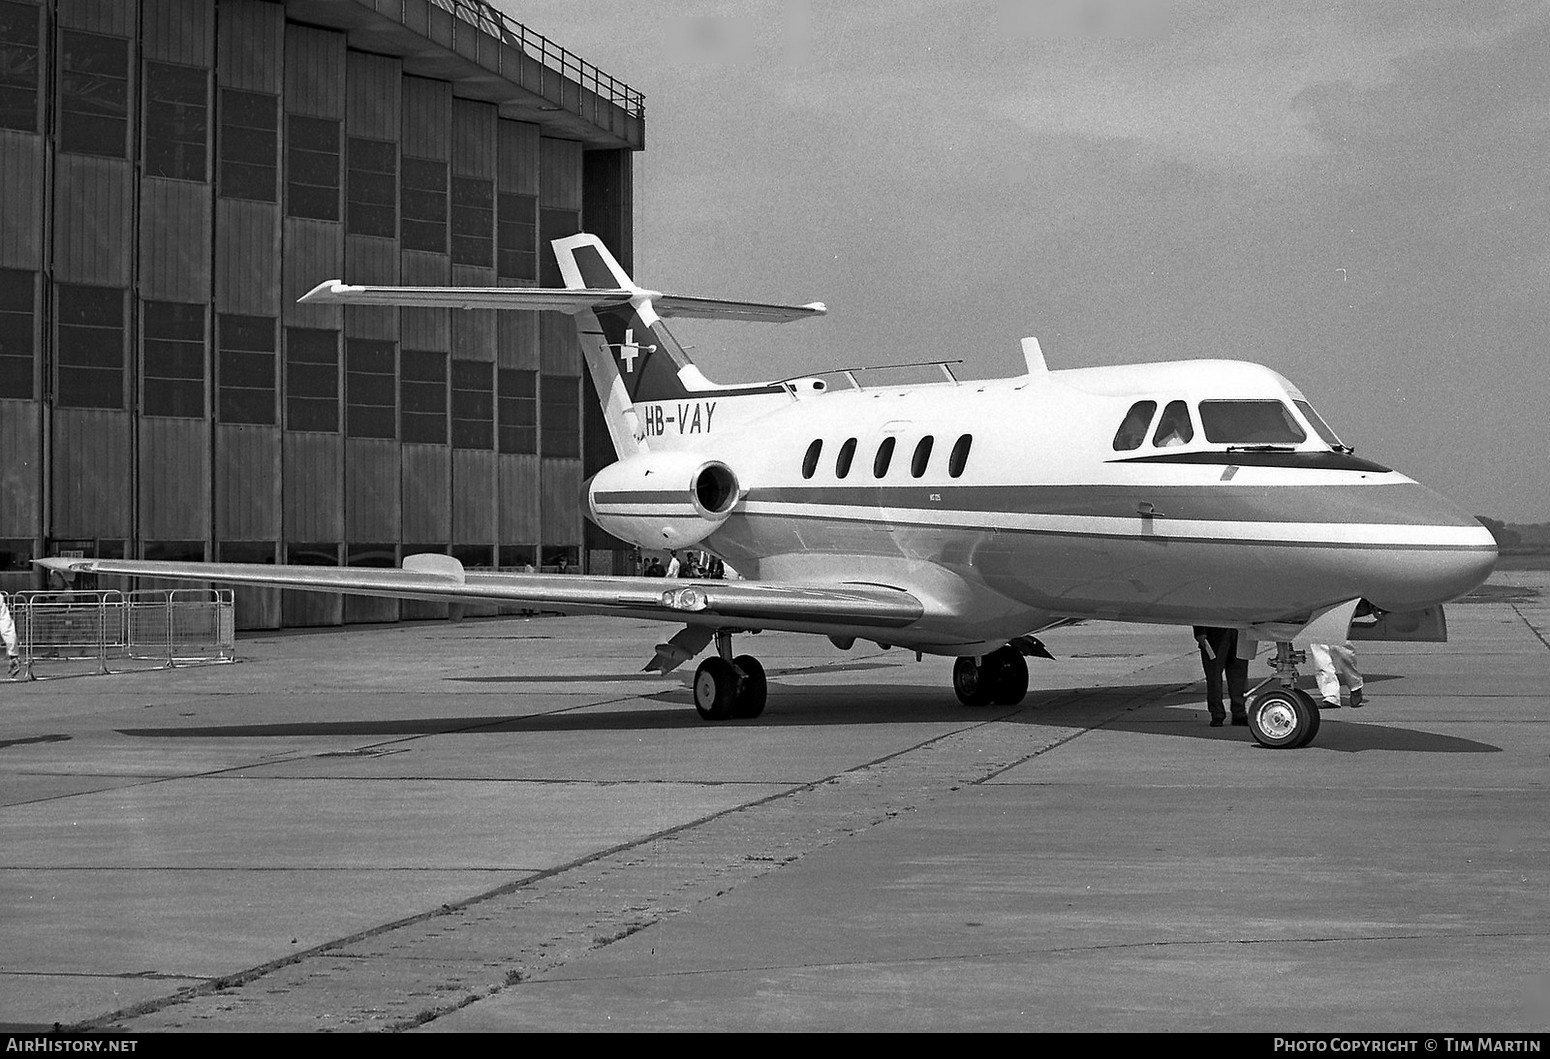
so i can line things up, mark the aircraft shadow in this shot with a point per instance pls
(686, 675)
(1141, 709)
(34, 739)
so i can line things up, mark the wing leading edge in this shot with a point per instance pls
(440, 578)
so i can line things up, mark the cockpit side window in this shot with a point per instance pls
(1133, 430)
(1249, 423)
(1174, 428)
(1320, 427)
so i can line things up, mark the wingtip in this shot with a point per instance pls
(327, 291)
(62, 565)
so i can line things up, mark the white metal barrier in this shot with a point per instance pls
(181, 625)
(171, 626)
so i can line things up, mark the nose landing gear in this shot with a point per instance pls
(1284, 717)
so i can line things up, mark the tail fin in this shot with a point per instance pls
(630, 353)
(650, 391)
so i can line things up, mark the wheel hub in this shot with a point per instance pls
(1278, 720)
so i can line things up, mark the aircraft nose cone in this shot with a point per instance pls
(1455, 573)
(1442, 552)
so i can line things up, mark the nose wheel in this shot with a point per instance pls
(1283, 718)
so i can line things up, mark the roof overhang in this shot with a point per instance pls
(487, 56)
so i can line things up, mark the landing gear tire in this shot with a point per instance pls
(752, 688)
(715, 689)
(1283, 718)
(1012, 676)
(975, 684)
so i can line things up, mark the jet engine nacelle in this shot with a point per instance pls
(663, 499)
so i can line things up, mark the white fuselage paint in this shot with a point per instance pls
(1048, 520)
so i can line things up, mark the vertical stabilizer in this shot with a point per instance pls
(653, 395)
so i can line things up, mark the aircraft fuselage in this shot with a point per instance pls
(1046, 517)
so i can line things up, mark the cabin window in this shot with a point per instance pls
(884, 457)
(1174, 428)
(1317, 423)
(922, 457)
(810, 461)
(1133, 430)
(959, 456)
(1249, 423)
(842, 461)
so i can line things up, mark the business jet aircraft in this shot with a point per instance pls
(956, 518)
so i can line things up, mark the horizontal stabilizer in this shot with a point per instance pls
(547, 299)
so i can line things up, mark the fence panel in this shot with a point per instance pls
(171, 626)
(69, 625)
(181, 625)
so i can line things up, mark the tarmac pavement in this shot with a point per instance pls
(503, 825)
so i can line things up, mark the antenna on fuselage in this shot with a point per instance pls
(1034, 356)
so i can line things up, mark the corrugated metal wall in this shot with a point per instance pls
(118, 479)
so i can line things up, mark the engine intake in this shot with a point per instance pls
(663, 499)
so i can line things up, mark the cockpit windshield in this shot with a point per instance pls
(1250, 423)
(1320, 427)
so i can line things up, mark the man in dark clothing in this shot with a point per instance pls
(1219, 657)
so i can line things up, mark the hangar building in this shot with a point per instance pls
(175, 173)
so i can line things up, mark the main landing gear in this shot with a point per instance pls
(729, 687)
(1285, 717)
(1000, 677)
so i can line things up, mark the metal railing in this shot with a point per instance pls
(561, 60)
(173, 626)
(181, 625)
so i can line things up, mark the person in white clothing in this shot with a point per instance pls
(1334, 664)
(8, 634)
(673, 565)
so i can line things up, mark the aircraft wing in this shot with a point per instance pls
(334, 292)
(441, 578)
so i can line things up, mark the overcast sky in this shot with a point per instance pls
(1355, 194)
